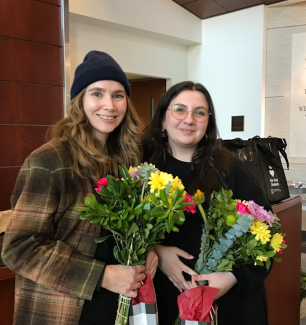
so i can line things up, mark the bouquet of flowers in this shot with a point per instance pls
(137, 209)
(236, 233)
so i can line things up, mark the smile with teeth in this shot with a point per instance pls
(106, 117)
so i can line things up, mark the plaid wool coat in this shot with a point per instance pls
(46, 244)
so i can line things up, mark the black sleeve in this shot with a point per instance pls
(245, 187)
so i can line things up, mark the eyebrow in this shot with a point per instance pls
(103, 90)
(187, 106)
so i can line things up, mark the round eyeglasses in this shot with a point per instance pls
(180, 112)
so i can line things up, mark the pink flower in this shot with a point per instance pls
(281, 250)
(260, 213)
(190, 208)
(242, 208)
(101, 182)
(134, 173)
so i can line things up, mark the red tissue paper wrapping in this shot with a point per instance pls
(146, 293)
(195, 304)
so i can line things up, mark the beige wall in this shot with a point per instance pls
(282, 22)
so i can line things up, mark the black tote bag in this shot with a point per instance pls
(261, 155)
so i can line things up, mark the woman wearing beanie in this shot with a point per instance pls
(62, 276)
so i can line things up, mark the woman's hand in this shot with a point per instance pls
(123, 279)
(172, 266)
(220, 280)
(151, 263)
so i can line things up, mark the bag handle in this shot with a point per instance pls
(281, 145)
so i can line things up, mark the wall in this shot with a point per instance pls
(160, 19)
(31, 82)
(136, 54)
(230, 63)
(282, 23)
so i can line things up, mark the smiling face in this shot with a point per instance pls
(105, 105)
(186, 133)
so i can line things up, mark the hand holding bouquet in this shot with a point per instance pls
(235, 233)
(138, 209)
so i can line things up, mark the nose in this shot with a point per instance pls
(189, 119)
(108, 102)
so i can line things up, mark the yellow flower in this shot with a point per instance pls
(132, 169)
(147, 198)
(261, 231)
(176, 183)
(159, 181)
(262, 258)
(276, 242)
(198, 194)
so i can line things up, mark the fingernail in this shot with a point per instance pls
(190, 256)
(181, 291)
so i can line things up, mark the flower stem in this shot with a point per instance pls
(202, 212)
(143, 189)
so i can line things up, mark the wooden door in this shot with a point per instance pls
(145, 95)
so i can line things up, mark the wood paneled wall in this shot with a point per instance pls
(31, 82)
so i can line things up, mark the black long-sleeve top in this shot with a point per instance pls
(245, 303)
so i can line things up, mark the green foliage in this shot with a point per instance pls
(226, 241)
(137, 218)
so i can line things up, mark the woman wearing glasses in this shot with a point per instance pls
(183, 140)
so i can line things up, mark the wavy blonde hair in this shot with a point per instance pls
(90, 157)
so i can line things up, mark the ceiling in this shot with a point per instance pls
(210, 8)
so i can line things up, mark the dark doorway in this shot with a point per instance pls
(145, 95)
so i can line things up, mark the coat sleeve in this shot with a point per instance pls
(30, 248)
(245, 187)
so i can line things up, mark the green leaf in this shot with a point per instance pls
(79, 208)
(152, 238)
(147, 232)
(119, 225)
(177, 194)
(169, 224)
(138, 211)
(269, 253)
(141, 251)
(87, 201)
(158, 212)
(141, 262)
(223, 263)
(175, 229)
(130, 217)
(276, 259)
(124, 255)
(147, 206)
(125, 173)
(149, 226)
(126, 205)
(117, 255)
(252, 243)
(133, 228)
(125, 224)
(84, 216)
(101, 239)
(163, 197)
(95, 221)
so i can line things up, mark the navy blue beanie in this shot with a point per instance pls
(97, 66)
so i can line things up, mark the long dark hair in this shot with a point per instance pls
(210, 160)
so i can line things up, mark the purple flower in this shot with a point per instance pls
(260, 213)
